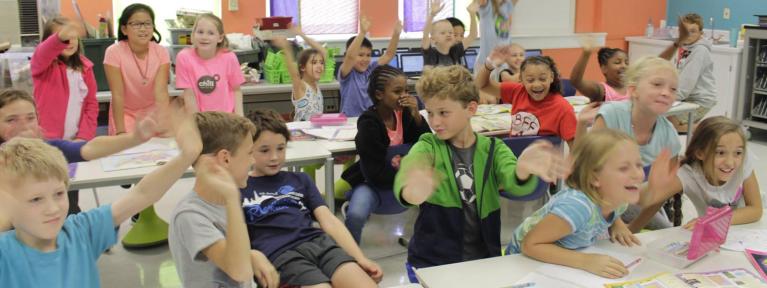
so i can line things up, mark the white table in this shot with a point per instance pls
(504, 271)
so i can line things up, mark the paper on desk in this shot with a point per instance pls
(584, 278)
(537, 280)
(152, 145)
(131, 161)
(738, 239)
(490, 109)
(341, 133)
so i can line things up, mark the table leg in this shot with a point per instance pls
(689, 127)
(329, 189)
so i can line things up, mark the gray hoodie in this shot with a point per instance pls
(696, 74)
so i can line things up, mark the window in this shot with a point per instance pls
(166, 10)
(319, 16)
(413, 13)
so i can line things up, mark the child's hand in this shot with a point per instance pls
(543, 159)
(266, 274)
(408, 102)
(188, 137)
(281, 43)
(146, 128)
(473, 8)
(589, 113)
(395, 161)
(662, 173)
(683, 33)
(420, 179)
(690, 224)
(398, 27)
(296, 29)
(69, 31)
(435, 7)
(372, 268)
(624, 236)
(604, 266)
(213, 177)
(364, 25)
(588, 43)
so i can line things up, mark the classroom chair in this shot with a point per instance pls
(517, 145)
(567, 87)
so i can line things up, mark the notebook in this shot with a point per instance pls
(709, 233)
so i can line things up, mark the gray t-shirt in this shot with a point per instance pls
(463, 160)
(696, 186)
(194, 226)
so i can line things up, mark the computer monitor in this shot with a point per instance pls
(470, 58)
(394, 62)
(533, 52)
(376, 52)
(412, 64)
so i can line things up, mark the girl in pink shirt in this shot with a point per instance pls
(137, 69)
(65, 86)
(209, 73)
(613, 63)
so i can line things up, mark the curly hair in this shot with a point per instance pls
(555, 86)
(448, 82)
(379, 78)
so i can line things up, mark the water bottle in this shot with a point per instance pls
(649, 30)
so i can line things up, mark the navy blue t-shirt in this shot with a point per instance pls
(71, 149)
(278, 211)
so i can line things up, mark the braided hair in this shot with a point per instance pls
(379, 78)
(604, 54)
(555, 86)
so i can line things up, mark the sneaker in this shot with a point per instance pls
(344, 207)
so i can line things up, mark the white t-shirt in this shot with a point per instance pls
(696, 186)
(77, 92)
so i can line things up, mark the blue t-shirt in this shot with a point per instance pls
(278, 211)
(583, 215)
(617, 115)
(495, 29)
(82, 239)
(71, 149)
(354, 91)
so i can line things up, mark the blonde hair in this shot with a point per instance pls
(219, 26)
(220, 130)
(704, 141)
(448, 82)
(21, 158)
(590, 154)
(641, 68)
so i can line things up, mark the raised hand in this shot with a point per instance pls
(364, 24)
(543, 159)
(69, 31)
(188, 137)
(435, 7)
(662, 175)
(212, 177)
(296, 29)
(683, 33)
(281, 43)
(589, 113)
(146, 128)
(604, 266)
(588, 43)
(473, 8)
(398, 27)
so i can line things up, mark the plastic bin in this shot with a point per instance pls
(277, 22)
(180, 36)
(94, 49)
(272, 76)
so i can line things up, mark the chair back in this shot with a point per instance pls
(517, 145)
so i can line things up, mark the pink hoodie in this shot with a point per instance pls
(52, 91)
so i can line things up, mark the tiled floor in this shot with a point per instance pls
(155, 268)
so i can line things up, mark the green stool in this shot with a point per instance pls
(149, 231)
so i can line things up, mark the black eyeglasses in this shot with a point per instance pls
(140, 25)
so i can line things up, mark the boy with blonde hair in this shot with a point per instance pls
(48, 250)
(454, 175)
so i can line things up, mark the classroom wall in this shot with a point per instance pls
(619, 18)
(741, 11)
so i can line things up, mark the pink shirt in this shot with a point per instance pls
(138, 94)
(213, 80)
(395, 136)
(612, 95)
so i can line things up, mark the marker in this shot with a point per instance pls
(633, 263)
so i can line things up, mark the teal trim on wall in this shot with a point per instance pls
(741, 11)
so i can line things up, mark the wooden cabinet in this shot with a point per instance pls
(726, 70)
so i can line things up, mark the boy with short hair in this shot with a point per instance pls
(454, 175)
(356, 68)
(48, 250)
(280, 208)
(207, 236)
(691, 54)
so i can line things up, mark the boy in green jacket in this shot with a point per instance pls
(455, 175)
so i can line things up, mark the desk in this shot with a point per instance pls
(150, 230)
(504, 271)
(247, 89)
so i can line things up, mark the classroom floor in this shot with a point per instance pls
(155, 268)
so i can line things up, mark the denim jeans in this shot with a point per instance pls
(364, 201)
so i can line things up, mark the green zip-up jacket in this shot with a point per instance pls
(438, 231)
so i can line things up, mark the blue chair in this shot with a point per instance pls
(517, 145)
(389, 205)
(567, 87)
